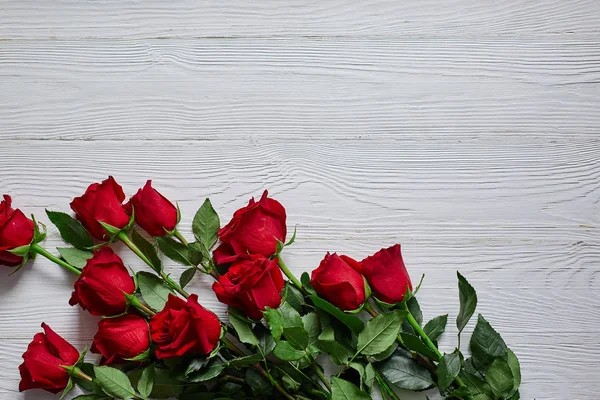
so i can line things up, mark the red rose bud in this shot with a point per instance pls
(101, 284)
(101, 202)
(153, 212)
(16, 230)
(43, 360)
(184, 328)
(251, 285)
(119, 338)
(253, 229)
(337, 282)
(386, 274)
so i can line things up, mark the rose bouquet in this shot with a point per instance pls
(155, 340)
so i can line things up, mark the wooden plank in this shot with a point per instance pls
(344, 88)
(119, 19)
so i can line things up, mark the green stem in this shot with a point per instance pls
(36, 248)
(260, 369)
(140, 306)
(319, 373)
(385, 387)
(415, 325)
(179, 236)
(289, 274)
(75, 371)
(170, 282)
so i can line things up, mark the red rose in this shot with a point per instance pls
(120, 338)
(251, 285)
(16, 230)
(101, 202)
(41, 368)
(337, 282)
(100, 287)
(386, 274)
(153, 212)
(253, 229)
(184, 327)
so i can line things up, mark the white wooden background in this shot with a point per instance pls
(467, 130)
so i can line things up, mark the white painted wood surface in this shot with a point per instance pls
(468, 131)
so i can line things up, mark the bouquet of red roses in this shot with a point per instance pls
(155, 340)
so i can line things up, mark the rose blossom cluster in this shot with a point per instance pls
(152, 325)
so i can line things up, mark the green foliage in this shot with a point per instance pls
(205, 227)
(76, 257)
(352, 322)
(114, 382)
(468, 302)
(435, 327)
(448, 370)
(187, 276)
(148, 250)
(174, 250)
(146, 382)
(486, 344)
(154, 291)
(380, 332)
(287, 352)
(404, 372)
(70, 230)
(344, 390)
(500, 378)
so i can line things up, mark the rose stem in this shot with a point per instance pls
(170, 282)
(385, 388)
(415, 325)
(289, 274)
(36, 248)
(319, 373)
(75, 371)
(179, 236)
(260, 369)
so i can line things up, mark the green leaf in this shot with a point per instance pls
(140, 357)
(286, 352)
(75, 257)
(289, 383)
(195, 365)
(401, 370)
(259, 384)
(436, 327)
(448, 370)
(266, 342)
(468, 302)
(197, 253)
(146, 381)
(90, 396)
(338, 353)
(70, 229)
(305, 280)
(293, 296)
(380, 332)
(297, 337)
(312, 326)
(370, 374)
(386, 353)
(500, 378)
(344, 390)
(352, 322)
(114, 382)
(275, 322)
(243, 330)
(414, 343)
(214, 369)
(206, 225)
(476, 385)
(148, 250)
(187, 276)
(415, 310)
(111, 230)
(67, 389)
(174, 250)
(154, 292)
(245, 361)
(515, 369)
(486, 344)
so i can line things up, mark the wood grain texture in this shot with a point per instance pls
(118, 19)
(467, 130)
(517, 215)
(344, 88)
